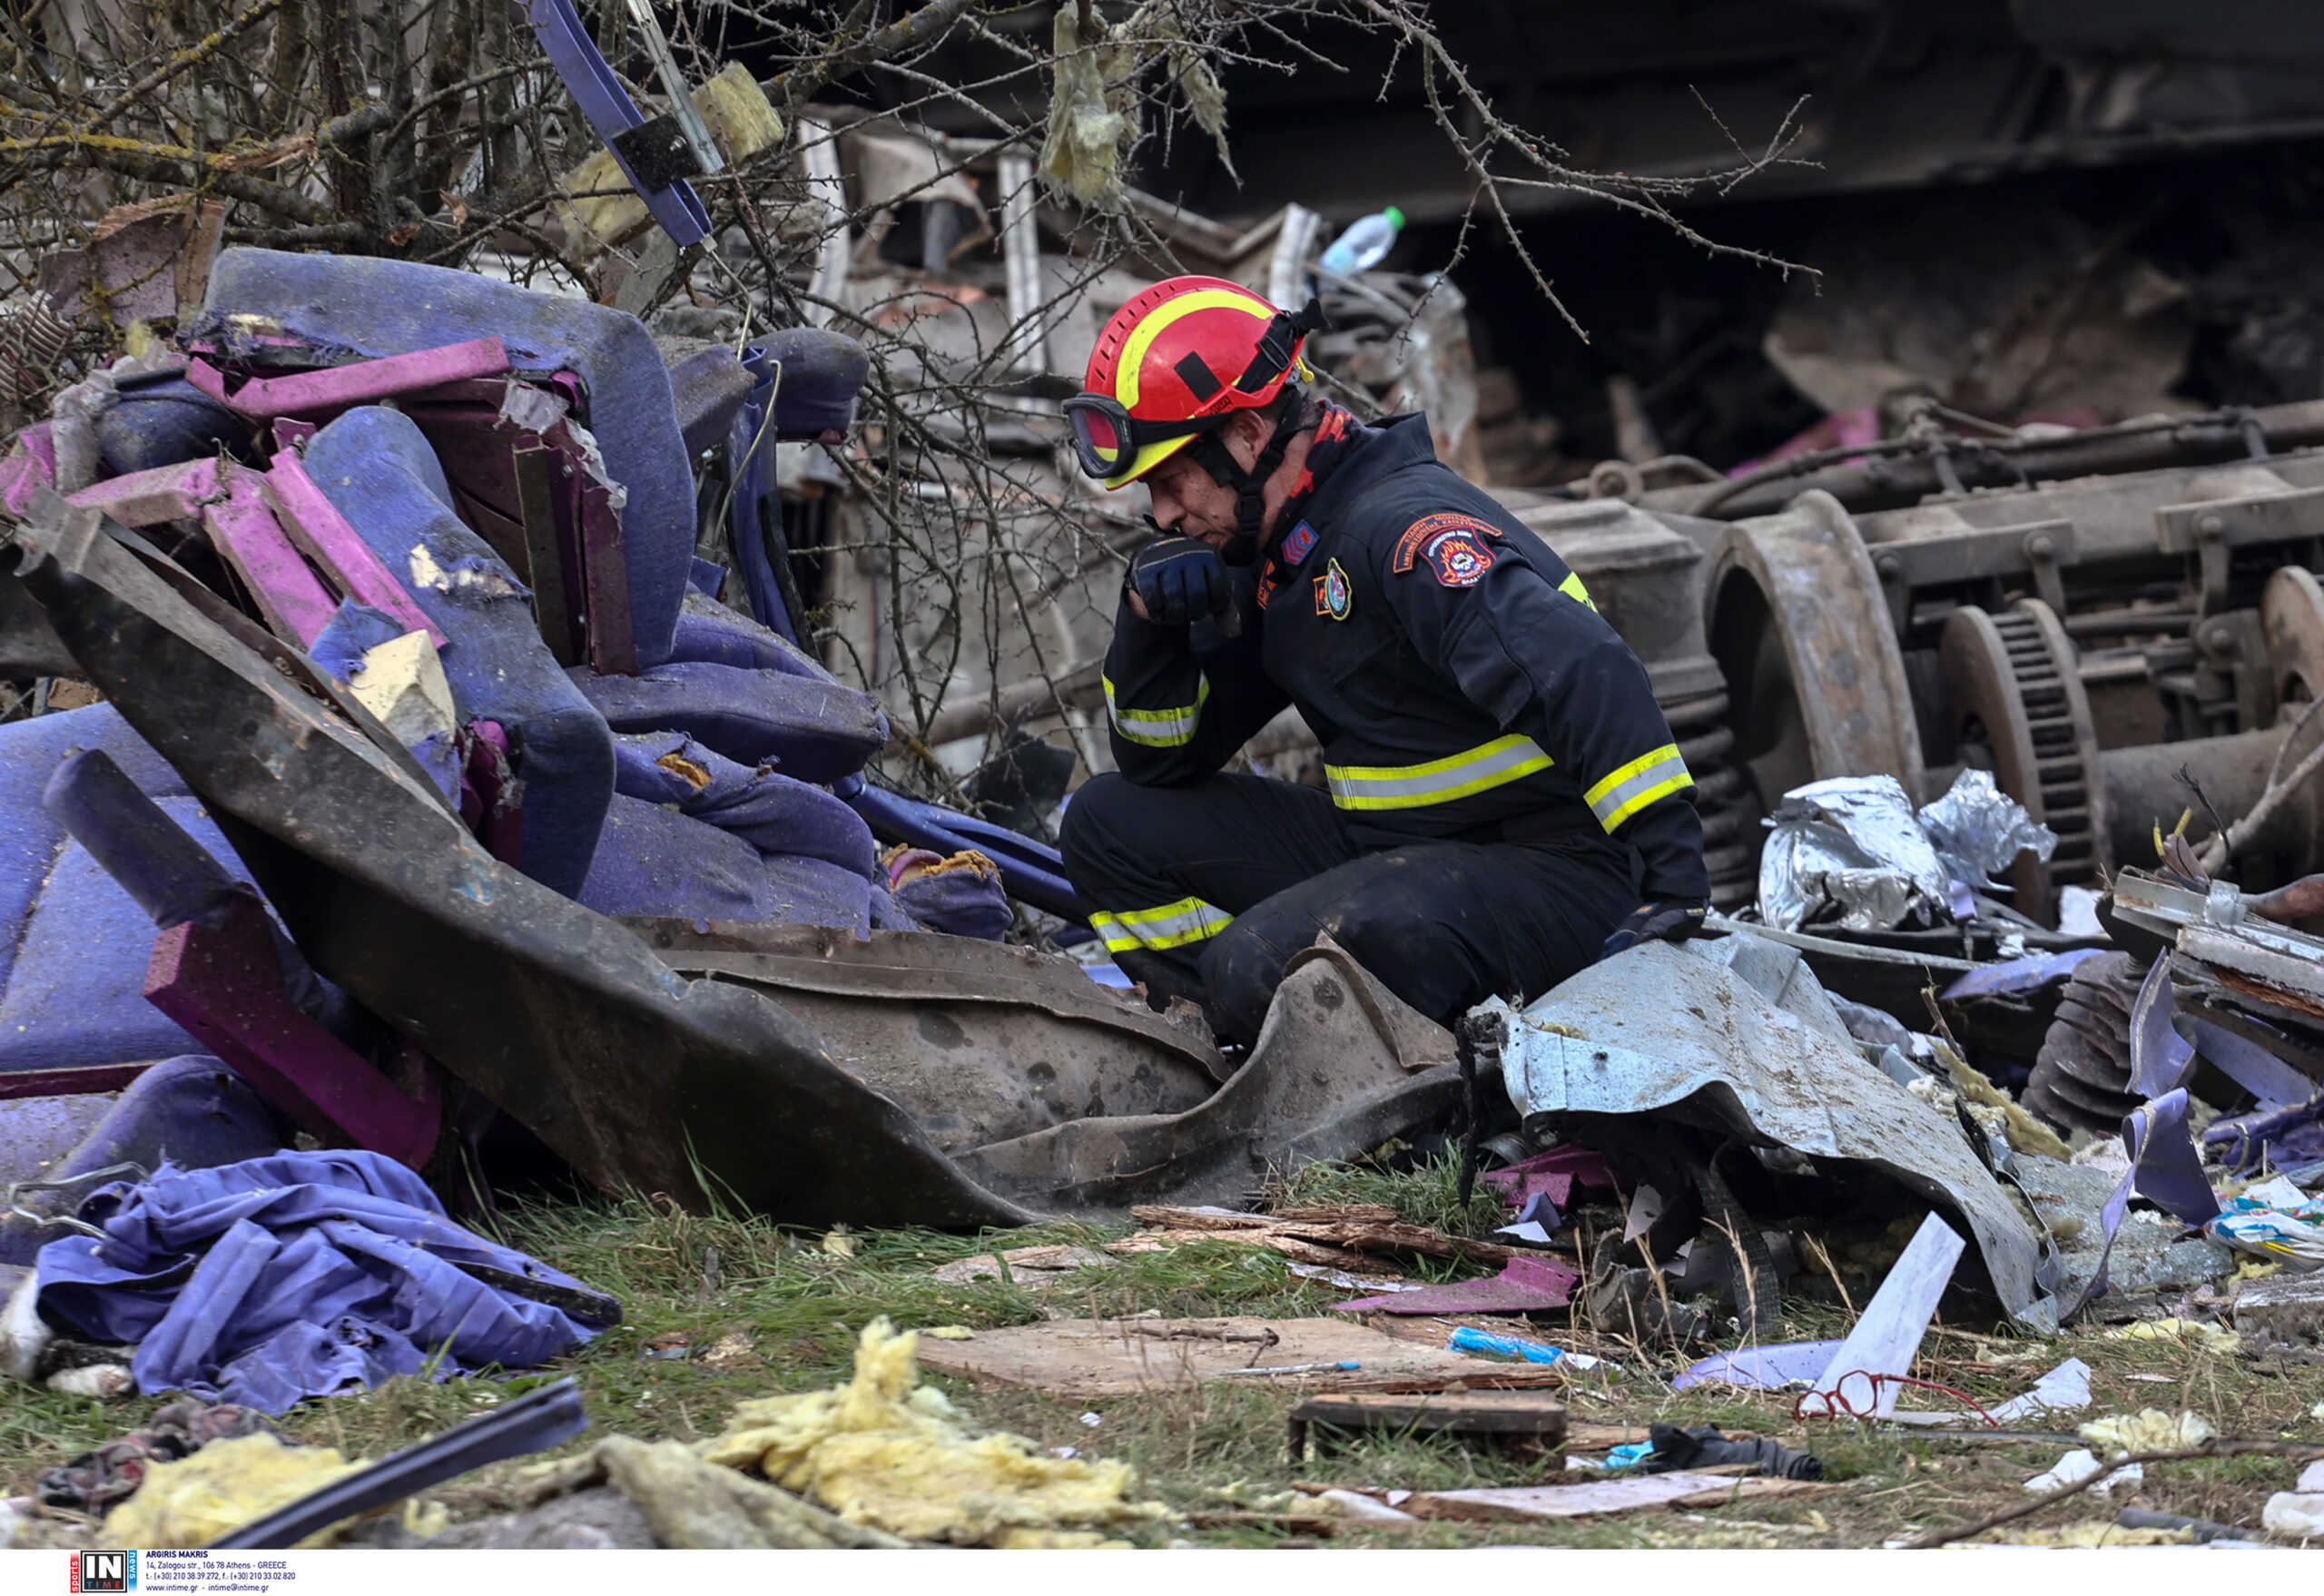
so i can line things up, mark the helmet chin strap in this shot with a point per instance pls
(1209, 451)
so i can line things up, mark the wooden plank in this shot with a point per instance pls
(1125, 1358)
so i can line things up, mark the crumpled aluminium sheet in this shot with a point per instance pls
(1850, 851)
(1758, 1048)
(1978, 831)
(268, 1281)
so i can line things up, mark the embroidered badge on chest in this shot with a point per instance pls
(1334, 597)
(1299, 544)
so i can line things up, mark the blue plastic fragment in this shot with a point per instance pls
(1468, 1339)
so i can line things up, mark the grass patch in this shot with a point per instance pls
(783, 1309)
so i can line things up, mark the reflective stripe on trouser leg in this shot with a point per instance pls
(1440, 781)
(1173, 925)
(1643, 781)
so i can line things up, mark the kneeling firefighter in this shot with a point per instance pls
(1505, 800)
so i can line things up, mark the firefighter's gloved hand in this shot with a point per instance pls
(1667, 922)
(1178, 580)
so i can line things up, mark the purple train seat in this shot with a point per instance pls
(374, 307)
(376, 466)
(74, 946)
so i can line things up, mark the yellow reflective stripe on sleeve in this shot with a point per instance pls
(1572, 588)
(1174, 925)
(1156, 728)
(1645, 780)
(1440, 781)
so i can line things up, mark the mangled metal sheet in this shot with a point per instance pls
(1741, 1037)
(979, 1041)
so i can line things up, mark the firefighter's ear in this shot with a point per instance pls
(1247, 434)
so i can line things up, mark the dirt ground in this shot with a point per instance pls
(759, 1310)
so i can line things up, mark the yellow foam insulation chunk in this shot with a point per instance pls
(2148, 1430)
(2025, 1133)
(2093, 1533)
(974, 860)
(885, 1451)
(2192, 1332)
(741, 123)
(227, 1484)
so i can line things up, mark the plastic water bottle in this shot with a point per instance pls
(1365, 243)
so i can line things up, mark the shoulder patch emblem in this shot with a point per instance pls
(1460, 557)
(1299, 544)
(1423, 534)
(1334, 597)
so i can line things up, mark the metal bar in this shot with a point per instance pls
(674, 83)
(534, 1421)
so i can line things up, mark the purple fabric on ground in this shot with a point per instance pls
(309, 1273)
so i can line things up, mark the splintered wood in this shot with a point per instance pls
(1348, 1235)
(1124, 1357)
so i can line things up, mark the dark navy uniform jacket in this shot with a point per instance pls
(1453, 667)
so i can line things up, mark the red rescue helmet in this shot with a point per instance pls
(1174, 362)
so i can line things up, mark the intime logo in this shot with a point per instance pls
(104, 1572)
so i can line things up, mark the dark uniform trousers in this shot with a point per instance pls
(1443, 924)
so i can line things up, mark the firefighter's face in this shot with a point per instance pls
(1188, 499)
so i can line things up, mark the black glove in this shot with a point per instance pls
(1179, 580)
(1668, 923)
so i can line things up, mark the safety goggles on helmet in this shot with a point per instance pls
(1107, 437)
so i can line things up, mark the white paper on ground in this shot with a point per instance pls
(2064, 1389)
(1347, 1282)
(2078, 1465)
(1356, 1505)
(1886, 1338)
(1645, 1207)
